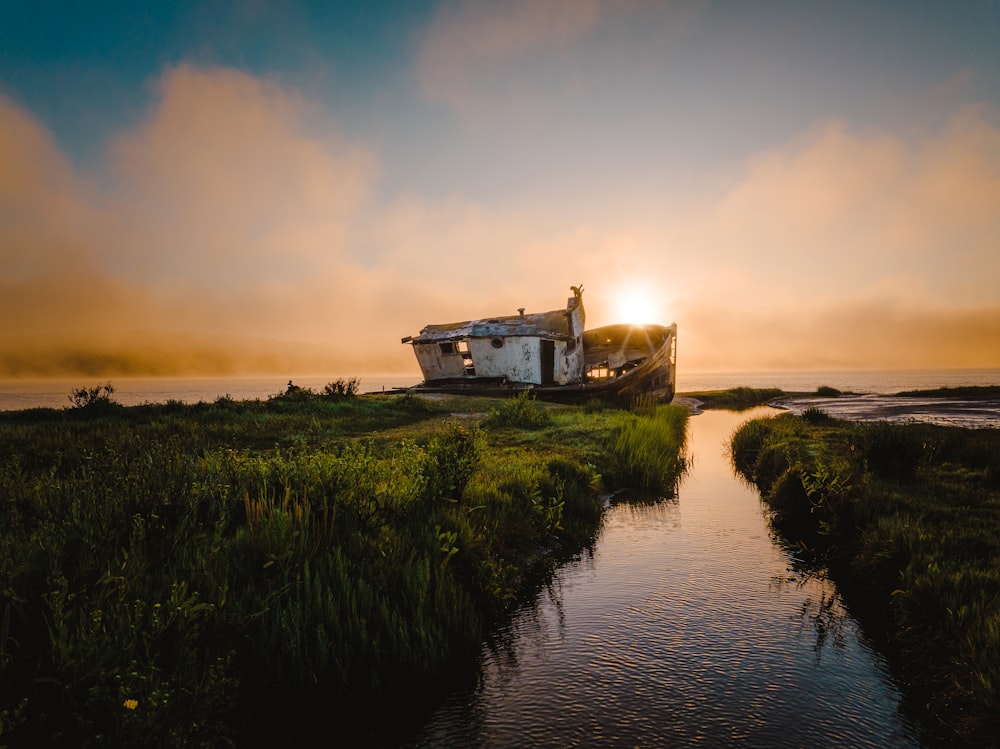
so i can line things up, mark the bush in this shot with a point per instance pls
(815, 415)
(790, 507)
(746, 444)
(341, 388)
(96, 397)
(452, 459)
(522, 411)
(889, 451)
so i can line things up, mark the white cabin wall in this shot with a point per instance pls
(519, 359)
(436, 365)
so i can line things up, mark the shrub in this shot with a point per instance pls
(95, 397)
(522, 411)
(790, 506)
(452, 458)
(828, 392)
(746, 444)
(341, 388)
(815, 415)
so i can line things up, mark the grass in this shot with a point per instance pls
(201, 574)
(907, 518)
(738, 398)
(971, 392)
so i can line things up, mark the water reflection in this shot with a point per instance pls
(957, 412)
(685, 626)
(825, 616)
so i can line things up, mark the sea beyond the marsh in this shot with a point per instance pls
(16, 394)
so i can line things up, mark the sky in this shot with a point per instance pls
(277, 186)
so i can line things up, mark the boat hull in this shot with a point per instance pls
(623, 362)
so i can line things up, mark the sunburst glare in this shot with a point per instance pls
(637, 304)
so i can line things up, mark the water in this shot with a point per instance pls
(874, 407)
(686, 626)
(132, 391)
(54, 393)
(878, 382)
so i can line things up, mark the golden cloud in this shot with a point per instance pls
(222, 234)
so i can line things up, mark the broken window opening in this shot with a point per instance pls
(600, 372)
(447, 348)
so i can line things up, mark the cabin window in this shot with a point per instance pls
(497, 343)
(447, 348)
(463, 347)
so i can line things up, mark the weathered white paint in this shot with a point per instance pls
(507, 348)
(436, 365)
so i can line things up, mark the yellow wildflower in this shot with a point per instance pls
(130, 704)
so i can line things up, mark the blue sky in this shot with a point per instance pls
(797, 184)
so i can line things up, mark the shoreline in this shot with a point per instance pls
(885, 509)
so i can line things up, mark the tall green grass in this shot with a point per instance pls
(738, 398)
(646, 449)
(198, 574)
(907, 517)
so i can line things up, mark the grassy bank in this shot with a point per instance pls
(907, 519)
(194, 574)
(745, 398)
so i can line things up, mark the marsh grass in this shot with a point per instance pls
(178, 574)
(737, 399)
(522, 411)
(646, 449)
(907, 518)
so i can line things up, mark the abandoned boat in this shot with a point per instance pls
(551, 354)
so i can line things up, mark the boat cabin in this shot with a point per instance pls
(539, 349)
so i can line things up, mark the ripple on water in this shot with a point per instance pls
(686, 627)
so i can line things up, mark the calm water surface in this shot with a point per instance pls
(687, 626)
(130, 391)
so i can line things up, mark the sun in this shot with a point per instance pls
(637, 304)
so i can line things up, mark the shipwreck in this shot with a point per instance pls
(549, 353)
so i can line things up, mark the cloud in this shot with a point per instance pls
(862, 331)
(511, 60)
(834, 209)
(221, 223)
(237, 228)
(233, 177)
(473, 44)
(43, 205)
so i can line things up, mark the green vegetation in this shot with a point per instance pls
(825, 391)
(522, 410)
(738, 398)
(647, 450)
(972, 392)
(907, 519)
(200, 574)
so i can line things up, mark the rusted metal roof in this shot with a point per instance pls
(554, 324)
